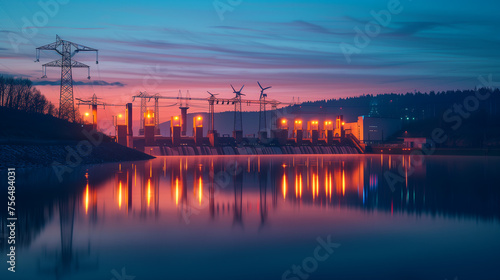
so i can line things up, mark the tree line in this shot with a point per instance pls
(20, 94)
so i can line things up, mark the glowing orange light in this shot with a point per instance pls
(285, 186)
(120, 115)
(326, 184)
(343, 182)
(199, 118)
(87, 199)
(149, 116)
(343, 123)
(149, 192)
(86, 114)
(313, 185)
(330, 186)
(200, 190)
(300, 185)
(283, 121)
(120, 195)
(176, 191)
(176, 118)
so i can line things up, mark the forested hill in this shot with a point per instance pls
(408, 106)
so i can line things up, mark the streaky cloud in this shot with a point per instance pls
(80, 83)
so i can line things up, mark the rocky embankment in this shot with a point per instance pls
(68, 153)
(30, 139)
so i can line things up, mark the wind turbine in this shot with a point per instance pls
(238, 119)
(262, 112)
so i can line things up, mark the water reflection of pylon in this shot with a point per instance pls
(263, 176)
(211, 190)
(67, 261)
(238, 194)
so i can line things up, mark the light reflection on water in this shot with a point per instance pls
(227, 213)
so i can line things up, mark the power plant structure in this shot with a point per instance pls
(289, 135)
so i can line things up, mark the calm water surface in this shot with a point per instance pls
(261, 218)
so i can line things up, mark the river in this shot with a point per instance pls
(261, 217)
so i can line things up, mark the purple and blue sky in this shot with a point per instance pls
(295, 46)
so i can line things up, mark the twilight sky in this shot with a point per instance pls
(295, 46)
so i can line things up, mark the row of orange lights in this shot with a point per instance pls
(119, 115)
(177, 118)
(313, 122)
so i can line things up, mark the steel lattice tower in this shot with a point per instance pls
(262, 111)
(238, 118)
(66, 50)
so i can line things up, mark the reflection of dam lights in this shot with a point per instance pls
(406, 170)
(317, 183)
(285, 187)
(343, 182)
(87, 199)
(313, 185)
(200, 190)
(120, 195)
(298, 185)
(330, 186)
(176, 191)
(149, 192)
(326, 183)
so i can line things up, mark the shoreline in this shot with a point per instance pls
(45, 153)
(494, 152)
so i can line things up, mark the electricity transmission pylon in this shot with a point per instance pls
(66, 50)
(262, 111)
(238, 119)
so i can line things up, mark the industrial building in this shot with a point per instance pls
(371, 130)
